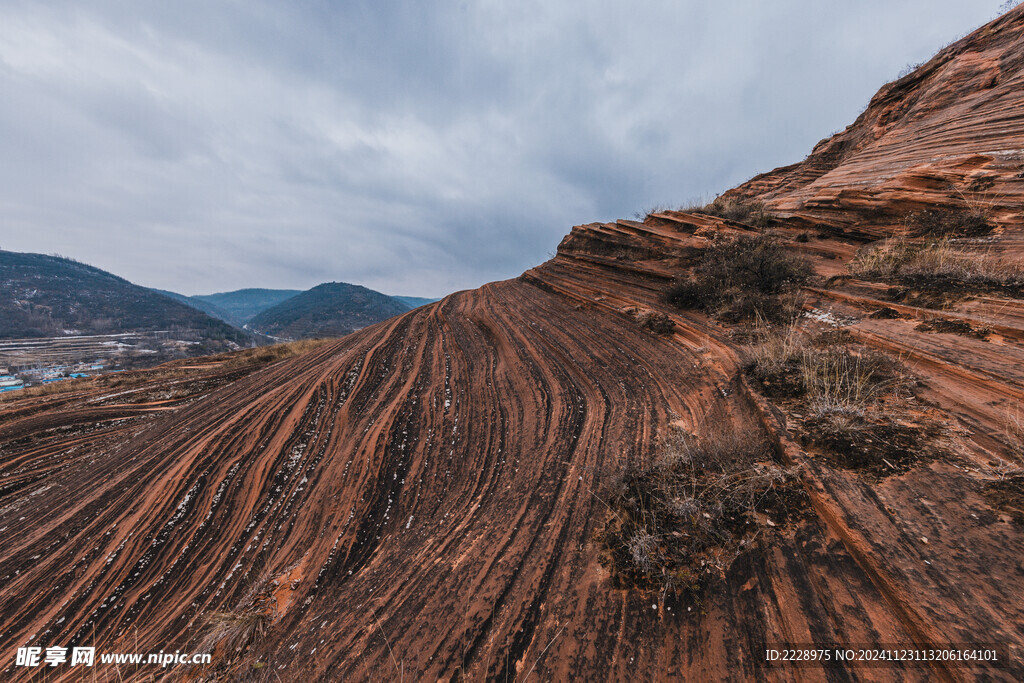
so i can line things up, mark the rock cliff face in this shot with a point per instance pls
(427, 497)
(946, 134)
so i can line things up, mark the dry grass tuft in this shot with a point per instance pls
(935, 262)
(1014, 431)
(840, 381)
(230, 634)
(264, 355)
(649, 213)
(748, 212)
(233, 632)
(852, 403)
(832, 377)
(775, 363)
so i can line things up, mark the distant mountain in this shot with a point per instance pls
(49, 296)
(200, 305)
(414, 301)
(332, 309)
(242, 305)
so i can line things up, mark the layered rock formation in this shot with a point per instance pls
(424, 499)
(946, 134)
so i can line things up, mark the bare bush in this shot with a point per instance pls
(969, 222)
(743, 278)
(683, 518)
(934, 262)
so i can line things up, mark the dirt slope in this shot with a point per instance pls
(424, 498)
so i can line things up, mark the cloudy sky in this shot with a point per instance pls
(413, 147)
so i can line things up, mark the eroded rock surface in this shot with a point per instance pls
(424, 497)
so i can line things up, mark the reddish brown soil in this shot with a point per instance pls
(424, 493)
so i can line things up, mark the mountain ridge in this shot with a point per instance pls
(330, 309)
(46, 296)
(244, 304)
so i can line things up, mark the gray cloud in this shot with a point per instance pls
(416, 148)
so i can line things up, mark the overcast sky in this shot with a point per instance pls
(413, 147)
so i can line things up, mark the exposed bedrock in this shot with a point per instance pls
(424, 497)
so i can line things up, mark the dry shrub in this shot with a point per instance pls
(684, 518)
(743, 278)
(969, 222)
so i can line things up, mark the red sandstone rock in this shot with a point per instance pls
(422, 496)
